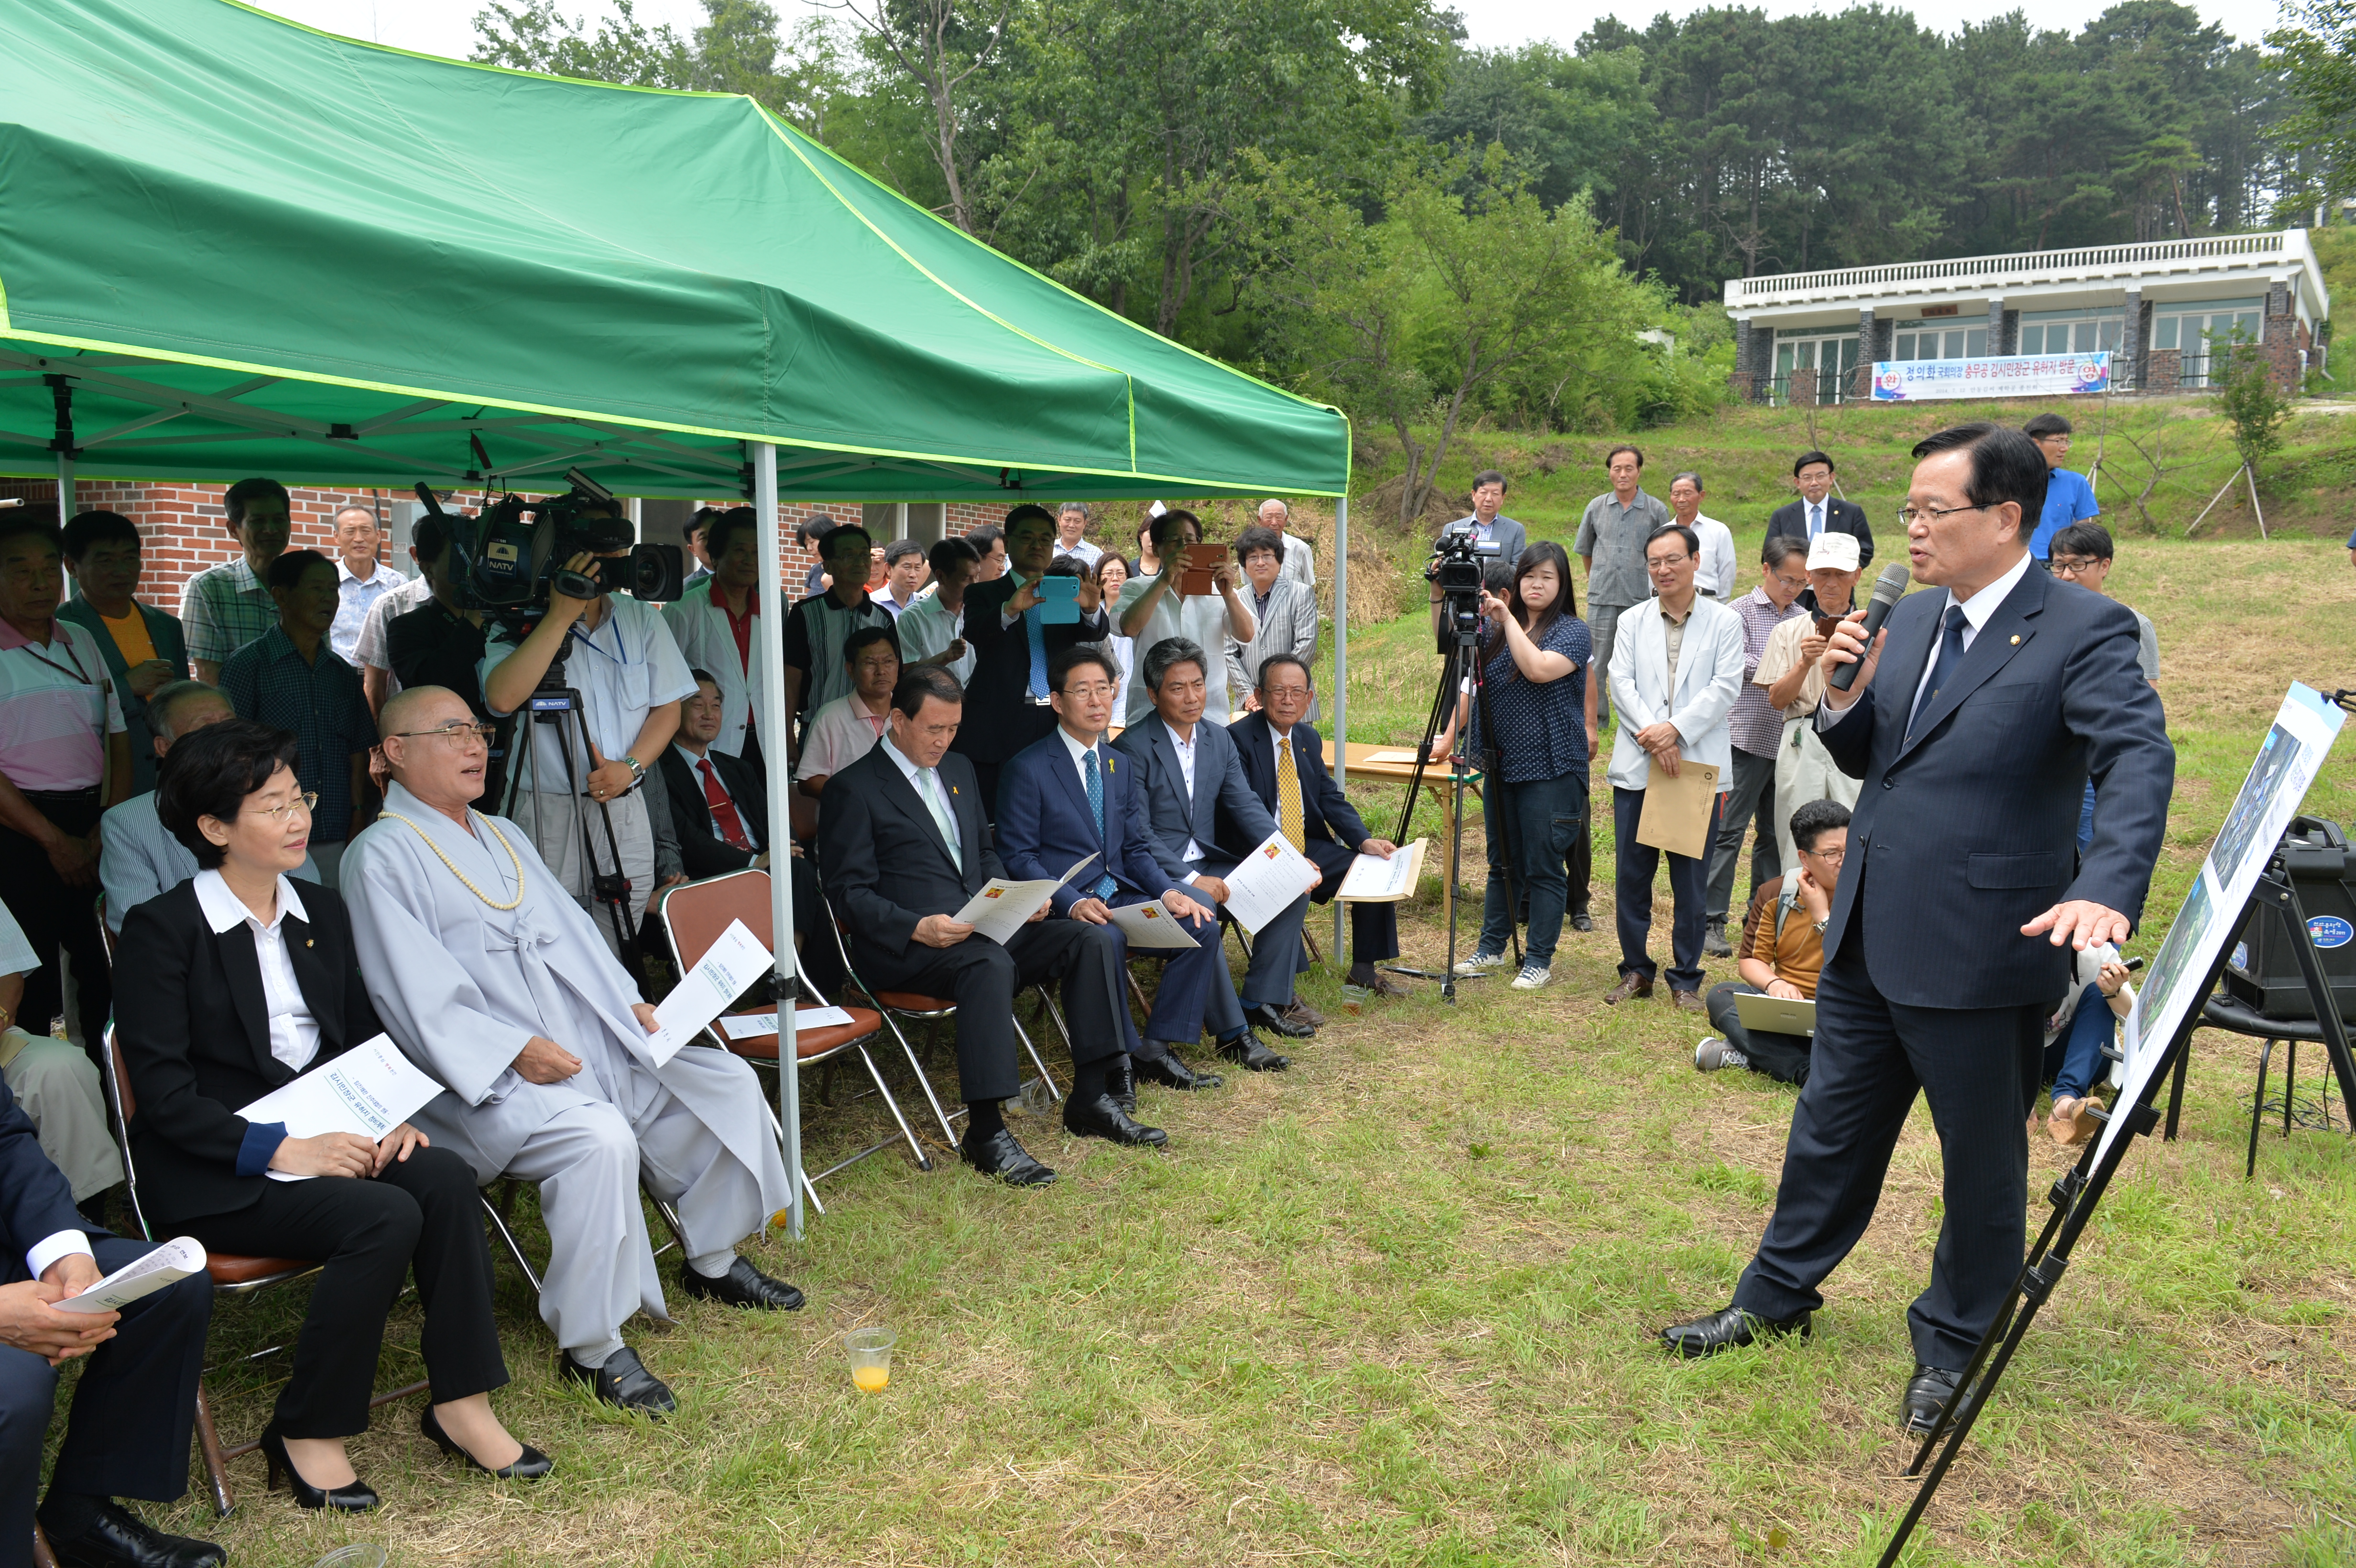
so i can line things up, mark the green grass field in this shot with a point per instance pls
(1396, 1307)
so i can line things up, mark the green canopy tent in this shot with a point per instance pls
(233, 245)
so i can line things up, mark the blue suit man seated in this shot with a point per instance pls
(1071, 794)
(128, 1434)
(1190, 780)
(1313, 812)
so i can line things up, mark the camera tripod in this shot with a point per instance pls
(554, 703)
(1461, 676)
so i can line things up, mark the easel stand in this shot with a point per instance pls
(2075, 1195)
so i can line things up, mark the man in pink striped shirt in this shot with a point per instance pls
(848, 727)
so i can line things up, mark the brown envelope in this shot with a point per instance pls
(1677, 810)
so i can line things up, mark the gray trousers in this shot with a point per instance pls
(555, 821)
(57, 1083)
(587, 1162)
(1603, 625)
(1750, 796)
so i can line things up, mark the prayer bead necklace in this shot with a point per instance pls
(463, 879)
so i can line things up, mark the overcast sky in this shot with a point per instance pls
(447, 26)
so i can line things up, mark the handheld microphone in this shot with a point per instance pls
(1887, 589)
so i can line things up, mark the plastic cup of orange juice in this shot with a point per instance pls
(871, 1357)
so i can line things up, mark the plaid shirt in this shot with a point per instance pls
(322, 703)
(223, 608)
(1754, 726)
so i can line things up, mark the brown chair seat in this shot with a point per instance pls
(912, 1002)
(810, 1042)
(235, 1268)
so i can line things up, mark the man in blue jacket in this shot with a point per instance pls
(128, 1434)
(1977, 717)
(1188, 778)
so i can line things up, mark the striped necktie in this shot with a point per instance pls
(1288, 796)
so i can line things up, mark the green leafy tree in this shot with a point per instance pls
(2318, 53)
(2253, 405)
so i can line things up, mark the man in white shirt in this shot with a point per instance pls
(904, 572)
(1299, 561)
(847, 729)
(360, 579)
(932, 630)
(1715, 576)
(1071, 524)
(716, 623)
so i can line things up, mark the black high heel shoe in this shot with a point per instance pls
(529, 1465)
(356, 1498)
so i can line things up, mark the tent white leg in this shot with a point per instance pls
(772, 728)
(1341, 686)
(2251, 474)
(65, 490)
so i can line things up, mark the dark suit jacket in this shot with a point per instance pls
(1844, 517)
(690, 818)
(35, 1203)
(164, 630)
(1966, 833)
(1000, 717)
(882, 858)
(195, 1032)
(1044, 823)
(1329, 824)
(1172, 816)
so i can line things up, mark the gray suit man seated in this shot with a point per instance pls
(492, 978)
(138, 857)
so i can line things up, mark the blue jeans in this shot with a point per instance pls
(1545, 818)
(2075, 1059)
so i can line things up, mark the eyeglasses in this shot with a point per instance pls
(1906, 514)
(1287, 691)
(1663, 562)
(305, 803)
(1829, 856)
(456, 734)
(1089, 689)
(2069, 566)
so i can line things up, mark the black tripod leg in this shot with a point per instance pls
(2318, 994)
(2176, 1096)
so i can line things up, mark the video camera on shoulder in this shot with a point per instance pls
(506, 562)
(1456, 569)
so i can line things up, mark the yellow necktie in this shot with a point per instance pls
(1288, 798)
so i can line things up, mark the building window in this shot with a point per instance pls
(2070, 331)
(1832, 357)
(2197, 327)
(1914, 340)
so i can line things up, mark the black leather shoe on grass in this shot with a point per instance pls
(623, 1382)
(1927, 1393)
(742, 1285)
(1725, 1331)
(116, 1538)
(1101, 1118)
(1248, 1051)
(1002, 1159)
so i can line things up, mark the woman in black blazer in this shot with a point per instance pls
(234, 984)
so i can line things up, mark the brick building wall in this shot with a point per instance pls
(185, 529)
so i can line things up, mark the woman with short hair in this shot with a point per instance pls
(243, 983)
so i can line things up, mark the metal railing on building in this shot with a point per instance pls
(2021, 263)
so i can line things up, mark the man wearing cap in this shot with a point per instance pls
(1805, 770)
(1754, 732)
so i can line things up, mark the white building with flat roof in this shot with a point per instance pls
(2158, 307)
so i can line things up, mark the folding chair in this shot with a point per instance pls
(233, 1274)
(896, 1006)
(695, 916)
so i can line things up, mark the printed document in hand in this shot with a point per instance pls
(172, 1262)
(1267, 881)
(1151, 925)
(1374, 880)
(369, 1090)
(719, 978)
(1002, 908)
(752, 1025)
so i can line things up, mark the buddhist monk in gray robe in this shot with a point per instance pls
(493, 980)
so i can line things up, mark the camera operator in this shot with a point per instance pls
(1534, 658)
(631, 677)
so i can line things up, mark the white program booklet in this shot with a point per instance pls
(719, 978)
(1265, 882)
(752, 1025)
(172, 1262)
(1372, 880)
(1002, 908)
(1151, 925)
(369, 1090)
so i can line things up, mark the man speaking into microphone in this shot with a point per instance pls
(1974, 723)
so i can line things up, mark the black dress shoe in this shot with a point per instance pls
(115, 1538)
(742, 1285)
(1277, 1023)
(1927, 1393)
(1101, 1118)
(1302, 1012)
(1250, 1052)
(1581, 921)
(1724, 1330)
(623, 1382)
(1001, 1156)
(1120, 1082)
(357, 1497)
(529, 1466)
(1172, 1073)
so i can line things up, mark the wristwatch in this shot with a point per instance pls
(637, 770)
(1822, 923)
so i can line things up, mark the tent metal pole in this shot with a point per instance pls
(772, 728)
(65, 490)
(1341, 682)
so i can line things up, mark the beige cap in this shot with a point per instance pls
(1831, 551)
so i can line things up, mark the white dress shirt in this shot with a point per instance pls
(293, 1032)
(927, 783)
(1717, 572)
(1186, 767)
(1979, 609)
(1080, 757)
(1816, 517)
